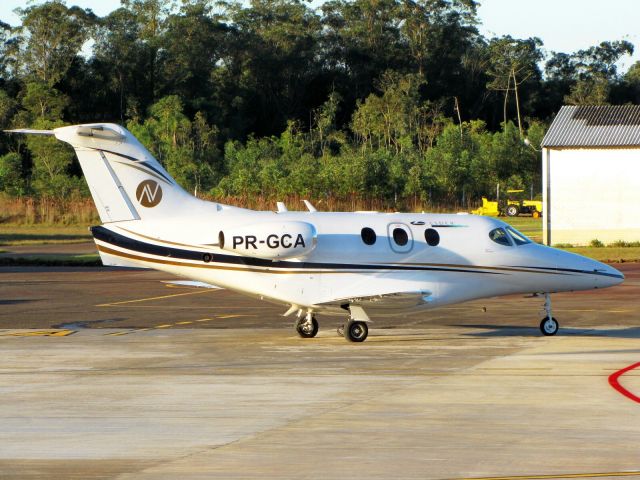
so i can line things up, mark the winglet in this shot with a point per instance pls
(30, 131)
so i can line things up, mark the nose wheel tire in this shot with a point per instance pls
(549, 326)
(306, 328)
(356, 331)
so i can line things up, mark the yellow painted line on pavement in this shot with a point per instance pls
(38, 333)
(566, 475)
(127, 332)
(169, 325)
(154, 298)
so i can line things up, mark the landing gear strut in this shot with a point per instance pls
(307, 326)
(549, 325)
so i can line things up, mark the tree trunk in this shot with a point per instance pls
(515, 89)
(506, 96)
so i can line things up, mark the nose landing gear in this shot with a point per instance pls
(307, 326)
(549, 325)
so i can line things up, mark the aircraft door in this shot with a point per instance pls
(400, 237)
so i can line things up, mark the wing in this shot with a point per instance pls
(384, 301)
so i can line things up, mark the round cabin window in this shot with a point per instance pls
(432, 236)
(400, 236)
(368, 235)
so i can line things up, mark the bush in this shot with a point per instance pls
(596, 243)
(623, 244)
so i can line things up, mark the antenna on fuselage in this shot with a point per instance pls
(309, 206)
(281, 207)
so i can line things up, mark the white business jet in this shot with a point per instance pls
(352, 264)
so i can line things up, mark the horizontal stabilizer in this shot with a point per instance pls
(31, 131)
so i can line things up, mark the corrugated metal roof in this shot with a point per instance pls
(595, 126)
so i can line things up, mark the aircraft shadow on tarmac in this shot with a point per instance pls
(520, 331)
(103, 323)
(16, 301)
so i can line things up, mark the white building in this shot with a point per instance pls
(591, 175)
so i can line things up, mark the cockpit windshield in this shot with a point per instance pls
(499, 235)
(508, 236)
(518, 237)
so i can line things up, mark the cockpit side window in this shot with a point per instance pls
(518, 237)
(499, 235)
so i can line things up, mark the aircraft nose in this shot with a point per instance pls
(607, 276)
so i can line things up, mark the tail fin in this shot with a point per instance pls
(125, 181)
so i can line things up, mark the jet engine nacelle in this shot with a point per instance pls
(277, 240)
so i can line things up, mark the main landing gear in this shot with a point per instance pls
(355, 330)
(549, 325)
(307, 326)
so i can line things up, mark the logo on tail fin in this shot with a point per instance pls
(149, 193)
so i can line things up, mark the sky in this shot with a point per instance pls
(563, 25)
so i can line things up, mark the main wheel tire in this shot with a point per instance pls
(549, 327)
(356, 331)
(512, 211)
(305, 330)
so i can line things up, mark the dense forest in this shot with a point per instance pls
(402, 101)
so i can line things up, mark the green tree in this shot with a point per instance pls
(593, 90)
(43, 108)
(600, 59)
(187, 149)
(193, 43)
(121, 64)
(512, 62)
(43, 103)
(151, 17)
(585, 76)
(631, 82)
(385, 120)
(273, 59)
(50, 36)
(52, 160)
(11, 177)
(437, 36)
(361, 40)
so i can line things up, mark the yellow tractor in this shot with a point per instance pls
(488, 208)
(519, 206)
(512, 207)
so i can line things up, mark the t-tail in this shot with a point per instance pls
(126, 181)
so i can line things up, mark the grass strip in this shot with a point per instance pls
(13, 235)
(608, 254)
(91, 260)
